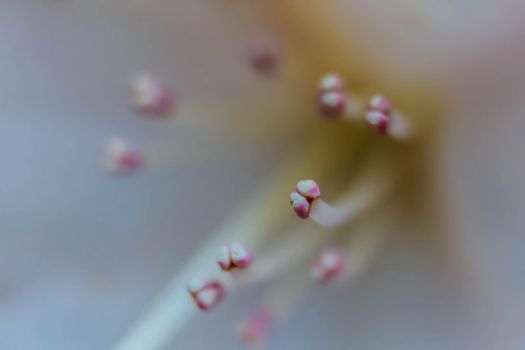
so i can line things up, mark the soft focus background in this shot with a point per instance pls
(83, 253)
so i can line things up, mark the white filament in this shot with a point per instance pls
(365, 244)
(378, 179)
(400, 128)
(173, 309)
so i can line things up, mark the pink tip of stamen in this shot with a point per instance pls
(379, 121)
(328, 265)
(332, 103)
(265, 58)
(223, 258)
(206, 293)
(150, 97)
(308, 189)
(122, 158)
(379, 103)
(240, 256)
(255, 330)
(300, 205)
(331, 82)
(234, 256)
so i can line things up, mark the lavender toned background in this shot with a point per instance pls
(82, 254)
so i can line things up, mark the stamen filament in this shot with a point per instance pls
(283, 296)
(150, 97)
(284, 255)
(352, 205)
(371, 234)
(400, 128)
(336, 103)
(122, 158)
(173, 309)
(371, 186)
(386, 120)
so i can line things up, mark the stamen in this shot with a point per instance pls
(300, 205)
(380, 104)
(368, 189)
(206, 293)
(328, 265)
(382, 118)
(278, 303)
(333, 101)
(379, 121)
(332, 104)
(371, 234)
(223, 258)
(265, 58)
(121, 158)
(284, 295)
(331, 98)
(254, 224)
(282, 256)
(234, 256)
(256, 328)
(306, 192)
(150, 97)
(331, 82)
(240, 256)
(285, 263)
(308, 189)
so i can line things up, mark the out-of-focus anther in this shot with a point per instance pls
(265, 57)
(331, 98)
(206, 293)
(378, 113)
(306, 191)
(300, 205)
(380, 104)
(332, 104)
(379, 121)
(121, 158)
(328, 265)
(330, 82)
(234, 256)
(385, 120)
(150, 97)
(366, 191)
(256, 328)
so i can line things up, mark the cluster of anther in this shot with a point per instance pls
(378, 113)
(331, 98)
(329, 264)
(207, 293)
(150, 97)
(301, 199)
(233, 256)
(264, 58)
(333, 102)
(121, 157)
(255, 329)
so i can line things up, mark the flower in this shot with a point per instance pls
(447, 196)
(375, 193)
